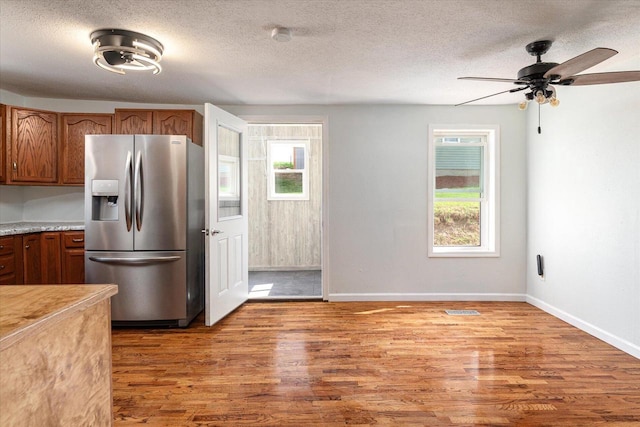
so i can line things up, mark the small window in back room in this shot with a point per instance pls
(288, 169)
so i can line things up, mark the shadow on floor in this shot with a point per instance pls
(283, 284)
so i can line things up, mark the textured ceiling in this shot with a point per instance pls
(342, 51)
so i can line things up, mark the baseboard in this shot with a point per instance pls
(587, 327)
(282, 268)
(425, 297)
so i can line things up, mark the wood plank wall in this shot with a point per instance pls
(284, 234)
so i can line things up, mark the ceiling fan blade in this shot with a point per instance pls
(580, 63)
(488, 96)
(602, 78)
(492, 79)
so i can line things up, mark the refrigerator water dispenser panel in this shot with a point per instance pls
(104, 195)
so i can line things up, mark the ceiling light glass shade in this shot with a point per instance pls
(523, 105)
(540, 98)
(120, 50)
(552, 97)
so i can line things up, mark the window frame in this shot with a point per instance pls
(271, 172)
(489, 200)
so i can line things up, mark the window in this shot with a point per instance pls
(288, 163)
(229, 173)
(464, 191)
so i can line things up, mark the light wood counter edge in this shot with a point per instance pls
(48, 320)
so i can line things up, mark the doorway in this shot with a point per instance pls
(285, 210)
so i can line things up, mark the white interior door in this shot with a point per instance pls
(226, 247)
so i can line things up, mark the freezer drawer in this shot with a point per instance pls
(151, 285)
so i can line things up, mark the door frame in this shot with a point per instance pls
(324, 202)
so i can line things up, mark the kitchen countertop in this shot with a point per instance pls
(55, 347)
(26, 309)
(13, 228)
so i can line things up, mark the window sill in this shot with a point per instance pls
(462, 253)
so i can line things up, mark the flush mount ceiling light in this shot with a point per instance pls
(121, 50)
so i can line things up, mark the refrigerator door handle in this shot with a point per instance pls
(139, 191)
(128, 176)
(140, 260)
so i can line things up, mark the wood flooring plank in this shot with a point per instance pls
(336, 364)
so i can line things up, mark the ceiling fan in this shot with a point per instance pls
(539, 77)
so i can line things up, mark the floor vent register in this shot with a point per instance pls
(462, 312)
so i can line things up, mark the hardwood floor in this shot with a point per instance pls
(315, 363)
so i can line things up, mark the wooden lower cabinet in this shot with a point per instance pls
(42, 258)
(10, 260)
(51, 259)
(32, 258)
(72, 257)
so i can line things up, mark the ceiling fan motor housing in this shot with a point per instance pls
(535, 71)
(126, 40)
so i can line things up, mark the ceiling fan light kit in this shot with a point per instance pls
(121, 50)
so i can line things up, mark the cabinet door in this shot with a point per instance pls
(31, 258)
(3, 134)
(131, 122)
(73, 266)
(51, 259)
(178, 122)
(34, 146)
(7, 261)
(74, 129)
(173, 122)
(73, 257)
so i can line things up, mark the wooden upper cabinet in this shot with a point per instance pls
(3, 134)
(44, 147)
(74, 128)
(33, 146)
(129, 122)
(178, 122)
(160, 122)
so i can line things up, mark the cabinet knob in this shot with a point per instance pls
(1, 267)
(27, 247)
(15, 166)
(1, 247)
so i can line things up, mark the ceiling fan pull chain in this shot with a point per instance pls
(539, 128)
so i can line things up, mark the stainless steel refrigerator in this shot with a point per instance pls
(144, 212)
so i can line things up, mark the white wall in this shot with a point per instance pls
(584, 211)
(377, 204)
(376, 200)
(11, 203)
(29, 203)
